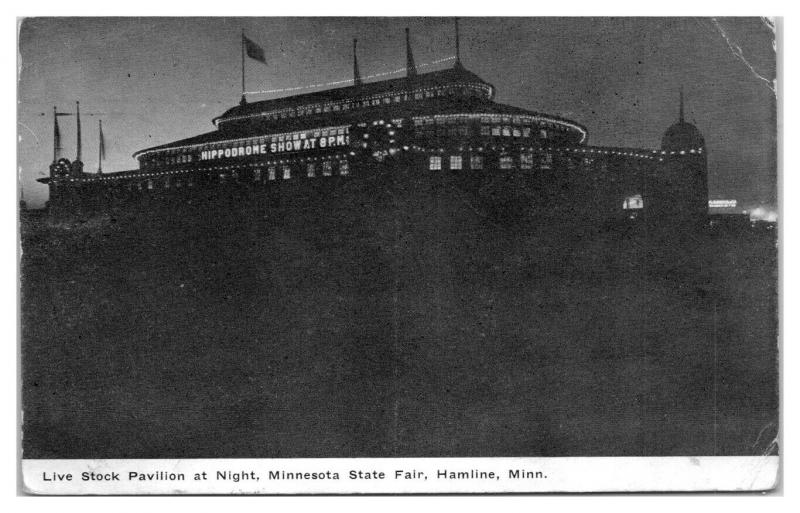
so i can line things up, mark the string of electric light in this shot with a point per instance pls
(349, 80)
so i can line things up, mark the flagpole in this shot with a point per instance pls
(243, 98)
(56, 135)
(78, 113)
(100, 149)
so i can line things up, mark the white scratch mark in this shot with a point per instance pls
(769, 22)
(23, 125)
(737, 52)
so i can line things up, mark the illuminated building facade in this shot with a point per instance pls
(444, 121)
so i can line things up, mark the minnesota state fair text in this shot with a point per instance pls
(278, 475)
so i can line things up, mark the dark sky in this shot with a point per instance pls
(154, 80)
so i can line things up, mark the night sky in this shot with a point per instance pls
(156, 80)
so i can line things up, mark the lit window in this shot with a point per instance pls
(311, 170)
(397, 99)
(150, 185)
(633, 202)
(507, 131)
(526, 161)
(495, 130)
(271, 173)
(455, 162)
(543, 134)
(344, 168)
(257, 175)
(327, 168)
(526, 132)
(516, 132)
(547, 161)
(486, 130)
(506, 162)
(476, 162)
(435, 163)
(287, 172)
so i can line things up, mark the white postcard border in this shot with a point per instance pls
(417, 475)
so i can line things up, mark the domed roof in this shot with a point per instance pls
(682, 136)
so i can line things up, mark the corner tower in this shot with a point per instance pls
(679, 189)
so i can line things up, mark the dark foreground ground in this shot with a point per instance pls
(392, 325)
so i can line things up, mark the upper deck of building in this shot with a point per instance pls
(452, 91)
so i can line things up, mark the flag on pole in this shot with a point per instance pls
(253, 51)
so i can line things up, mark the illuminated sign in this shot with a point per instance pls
(722, 203)
(298, 141)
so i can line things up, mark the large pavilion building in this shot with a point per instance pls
(443, 121)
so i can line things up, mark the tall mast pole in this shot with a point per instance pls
(356, 72)
(100, 148)
(411, 68)
(458, 47)
(56, 136)
(78, 114)
(243, 98)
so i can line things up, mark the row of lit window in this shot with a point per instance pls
(311, 170)
(326, 168)
(449, 119)
(485, 131)
(307, 110)
(178, 159)
(476, 162)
